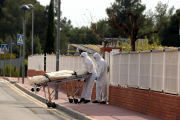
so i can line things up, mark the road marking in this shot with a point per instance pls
(54, 111)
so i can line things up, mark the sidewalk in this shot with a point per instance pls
(96, 111)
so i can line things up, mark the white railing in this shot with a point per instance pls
(156, 70)
(36, 62)
(50, 63)
(70, 63)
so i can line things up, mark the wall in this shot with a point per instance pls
(156, 70)
(161, 105)
(32, 73)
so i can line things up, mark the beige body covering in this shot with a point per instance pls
(55, 76)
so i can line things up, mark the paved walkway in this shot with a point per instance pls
(97, 111)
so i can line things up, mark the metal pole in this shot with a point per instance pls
(32, 27)
(10, 57)
(57, 47)
(57, 41)
(24, 33)
(59, 25)
(0, 63)
(4, 64)
(19, 63)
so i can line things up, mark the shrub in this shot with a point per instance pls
(142, 45)
(14, 71)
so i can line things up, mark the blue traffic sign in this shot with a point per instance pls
(4, 48)
(20, 39)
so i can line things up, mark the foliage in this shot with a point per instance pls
(119, 7)
(44, 31)
(11, 22)
(14, 71)
(137, 20)
(40, 23)
(169, 35)
(50, 30)
(65, 34)
(141, 45)
(7, 56)
(37, 46)
(94, 34)
(26, 66)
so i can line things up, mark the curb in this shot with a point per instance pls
(74, 113)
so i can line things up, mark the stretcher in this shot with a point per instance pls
(60, 82)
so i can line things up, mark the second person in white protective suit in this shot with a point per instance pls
(101, 79)
(89, 83)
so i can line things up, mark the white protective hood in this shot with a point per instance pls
(87, 62)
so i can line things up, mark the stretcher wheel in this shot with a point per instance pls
(71, 100)
(48, 105)
(75, 100)
(37, 89)
(53, 105)
(32, 89)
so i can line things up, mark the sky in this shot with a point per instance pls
(81, 11)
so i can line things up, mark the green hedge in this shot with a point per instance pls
(14, 71)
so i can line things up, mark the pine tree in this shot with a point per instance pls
(50, 31)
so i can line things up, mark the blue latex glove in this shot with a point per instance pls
(95, 78)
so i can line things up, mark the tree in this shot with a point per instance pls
(1, 4)
(119, 7)
(101, 30)
(50, 30)
(11, 21)
(7, 56)
(136, 19)
(36, 45)
(159, 9)
(65, 34)
(97, 32)
(169, 34)
(40, 23)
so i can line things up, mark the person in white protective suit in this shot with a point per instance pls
(89, 83)
(101, 79)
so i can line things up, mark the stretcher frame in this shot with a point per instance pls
(70, 93)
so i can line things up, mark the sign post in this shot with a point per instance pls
(4, 48)
(11, 43)
(19, 42)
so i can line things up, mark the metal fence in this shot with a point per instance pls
(156, 70)
(14, 62)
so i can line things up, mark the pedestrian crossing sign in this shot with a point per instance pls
(4, 48)
(20, 39)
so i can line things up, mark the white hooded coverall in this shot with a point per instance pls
(89, 84)
(101, 83)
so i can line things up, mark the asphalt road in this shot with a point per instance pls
(17, 105)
